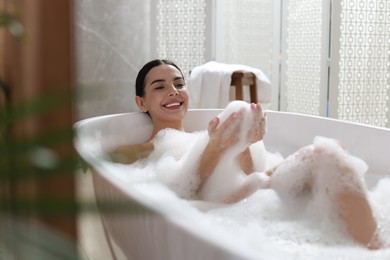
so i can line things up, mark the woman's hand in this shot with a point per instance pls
(220, 138)
(258, 126)
(227, 134)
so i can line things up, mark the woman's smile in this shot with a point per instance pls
(173, 105)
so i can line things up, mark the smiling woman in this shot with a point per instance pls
(162, 93)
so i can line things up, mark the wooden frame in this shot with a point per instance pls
(36, 67)
(241, 79)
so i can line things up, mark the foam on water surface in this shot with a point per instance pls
(262, 222)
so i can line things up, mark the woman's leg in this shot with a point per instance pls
(326, 167)
(355, 211)
(252, 183)
(341, 175)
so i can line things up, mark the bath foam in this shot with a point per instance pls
(327, 171)
(337, 171)
(176, 159)
(227, 177)
(175, 162)
(262, 224)
(296, 238)
(259, 221)
(247, 122)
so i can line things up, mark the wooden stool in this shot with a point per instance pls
(244, 78)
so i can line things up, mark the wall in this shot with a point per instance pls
(112, 43)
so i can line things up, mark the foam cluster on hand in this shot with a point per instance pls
(228, 171)
(249, 122)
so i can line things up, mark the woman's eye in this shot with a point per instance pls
(159, 87)
(179, 85)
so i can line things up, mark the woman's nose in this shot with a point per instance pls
(173, 91)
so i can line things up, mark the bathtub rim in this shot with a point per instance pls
(205, 115)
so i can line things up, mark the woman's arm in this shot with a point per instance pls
(245, 161)
(226, 135)
(255, 134)
(129, 154)
(208, 162)
(220, 139)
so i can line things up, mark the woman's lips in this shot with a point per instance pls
(173, 104)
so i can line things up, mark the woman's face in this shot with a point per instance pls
(166, 94)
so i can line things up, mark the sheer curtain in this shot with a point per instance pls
(183, 31)
(337, 59)
(363, 71)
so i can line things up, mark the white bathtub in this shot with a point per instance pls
(154, 230)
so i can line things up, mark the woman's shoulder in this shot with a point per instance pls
(131, 153)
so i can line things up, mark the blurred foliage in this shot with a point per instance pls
(27, 158)
(23, 161)
(31, 157)
(8, 20)
(5, 19)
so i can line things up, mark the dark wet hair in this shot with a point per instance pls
(140, 80)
